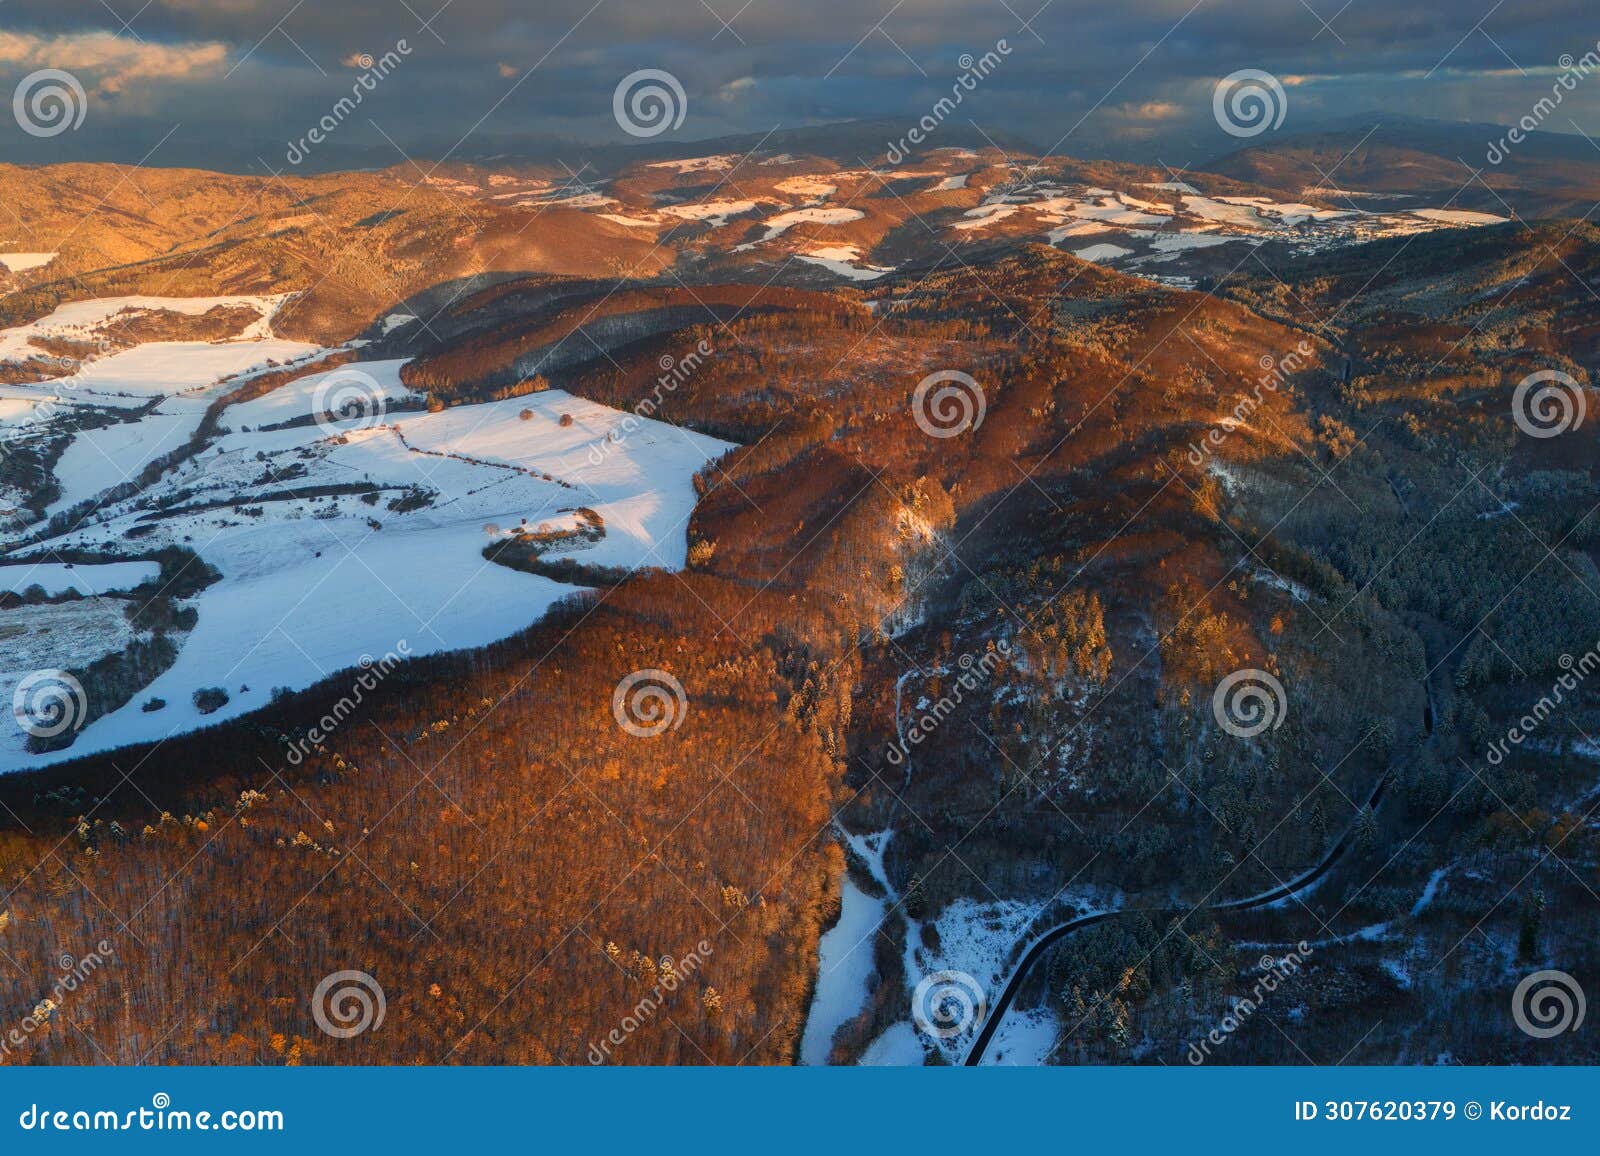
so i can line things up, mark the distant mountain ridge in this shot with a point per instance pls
(1476, 166)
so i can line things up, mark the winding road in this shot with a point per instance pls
(1265, 899)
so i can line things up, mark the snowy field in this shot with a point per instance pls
(845, 260)
(53, 636)
(338, 538)
(177, 379)
(844, 970)
(1142, 231)
(88, 320)
(87, 579)
(98, 459)
(1152, 229)
(180, 372)
(1101, 252)
(977, 941)
(1024, 1039)
(835, 215)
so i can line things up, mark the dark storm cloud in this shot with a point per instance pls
(243, 77)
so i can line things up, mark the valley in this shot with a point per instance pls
(1057, 587)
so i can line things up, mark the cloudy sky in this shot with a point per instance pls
(238, 83)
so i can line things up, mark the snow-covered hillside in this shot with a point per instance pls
(345, 520)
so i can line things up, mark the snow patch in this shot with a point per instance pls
(984, 215)
(22, 262)
(1458, 217)
(807, 187)
(844, 260)
(84, 578)
(1102, 252)
(783, 222)
(1024, 1038)
(711, 164)
(844, 972)
(898, 1047)
(313, 579)
(714, 213)
(1177, 242)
